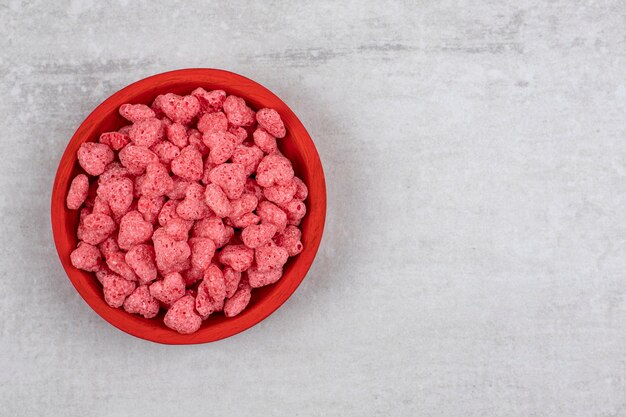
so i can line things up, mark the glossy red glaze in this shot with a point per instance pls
(297, 146)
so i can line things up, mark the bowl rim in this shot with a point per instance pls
(76, 276)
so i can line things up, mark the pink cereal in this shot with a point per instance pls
(249, 156)
(157, 181)
(115, 140)
(259, 279)
(178, 109)
(133, 230)
(270, 256)
(221, 145)
(136, 158)
(255, 236)
(169, 289)
(101, 206)
(188, 165)
(265, 141)
(239, 301)
(231, 280)
(238, 113)
(239, 132)
(95, 227)
(231, 177)
(114, 169)
(280, 194)
(117, 263)
(86, 257)
(171, 255)
(180, 188)
(177, 134)
(118, 193)
(150, 207)
(290, 239)
(142, 303)
(295, 210)
(271, 213)
(178, 229)
(202, 251)
(94, 157)
(136, 112)
(116, 289)
(243, 205)
(168, 212)
(213, 122)
(195, 140)
(211, 292)
(253, 188)
(238, 257)
(192, 275)
(146, 132)
(141, 259)
(216, 199)
(182, 317)
(245, 220)
(79, 188)
(108, 246)
(302, 191)
(270, 120)
(193, 207)
(210, 101)
(274, 169)
(214, 229)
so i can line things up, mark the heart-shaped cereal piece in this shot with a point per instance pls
(214, 229)
(193, 207)
(94, 157)
(157, 181)
(271, 213)
(118, 193)
(236, 304)
(178, 109)
(212, 122)
(142, 303)
(274, 169)
(136, 158)
(169, 289)
(79, 189)
(188, 165)
(178, 229)
(231, 280)
(221, 145)
(171, 255)
(243, 205)
(182, 317)
(115, 140)
(136, 112)
(230, 177)
(146, 132)
(116, 261)
(177, 134)
(238, 112)
(259, 279)
(249, 156)
(216, 199)
(133, 230)
(270, 120)
(86, 257)
(202, 251)
(265, 141)
(238, 257)
(270, 256)
(150, 207)
(211, 292)
(94, 228)
(281, 194)
(244, 221)
(255, 236)
(142, 259)
(115, 288)
(290, 239)
(210, 101)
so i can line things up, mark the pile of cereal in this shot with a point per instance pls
(190, 207)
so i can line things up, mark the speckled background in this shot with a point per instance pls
(474, 261)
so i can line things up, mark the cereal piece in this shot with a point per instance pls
(243, 205)
(94, 157)
(255, 236)
(259, 279)
(213, 122)
(253, 188)
(216, 200)
(142, 303)
(115, 140)
(214, 229)
(210, 101)
(239, 301)
(169, 289)
(118, 193)
(295, 210)
(239, 132)
(116, 289)
(86, 257)
(95, 227)
(150, 207)
(146, 132)
(117, 263)
(114, 169)
(238, 257)
(108, 246)
(248, 156)
(280, 194)
(182, 317)
(265, 141)
(179, 189)
(136, 158)
(301, 189)
(231, 280)
(157, 181)
(166, 122)
(244, 221)
(124, 129)
(136, 112)
(178, 228)
(271, 213)
(101, 206)
(270, 120)
(178, 109)
(238, 112)
(192, 275)
(221, 145)
(270, 256)
(168, 212)
(177, 134)
(202, 251)
(211, 292)
(208, 166)
(79, 188)
(195, 140)
(141, 259)
(290, 240)
(133, 230)
(166, 151)
(274, 169)
(193, 206)
(170, 254)
(231, 177)
(188, 165)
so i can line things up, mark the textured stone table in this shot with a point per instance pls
(474, 261)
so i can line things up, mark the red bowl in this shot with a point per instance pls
(297, 146)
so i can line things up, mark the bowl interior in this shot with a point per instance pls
(297, 146)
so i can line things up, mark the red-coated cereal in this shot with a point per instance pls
(265, 141)
(210, 101)
(157, 181)
(193, 207)
(238, 257)
(270, 256)
(166, 151)
(239, 132)
(136, 112)
(270, 120)
(168, 212)
(249, 156)
(86, 257)
(150, 207)
(290, 239)
(101, 206)
(211, 292)
(238, 112)
(170, 254)
(133, 230)
(245, 220)
(115, 140)
(192, 275)
(179, 190)
(259, 279)
(255, 236)
(141, 259)
(253, 188)
(178, 229)
(274, 169)
(182, 317)
(221, 145)
(239, 301)
(142, 303)
(202, 251)
(216, 200)
(231, 281)
(177, 134)
(214, 229)
(195, 140)
(281, 194)
(188, 165)
(95, 227)
(271, 213)
(79, 188)
(118, 193)
(136, 158)
(116, 289)
(243, 205)
(231, 177)
(114, 169)
(146, 132)
(302, 191)
(117, 263)
(108, 246)
(295, 210)
(213, 122)
(169, 289)
(178, 109)
(94, 157)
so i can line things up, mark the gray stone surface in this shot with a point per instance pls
(474, 259)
